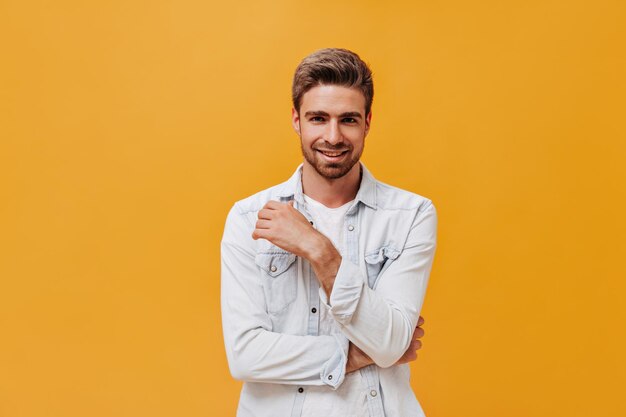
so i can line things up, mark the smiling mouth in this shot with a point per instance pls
(331, 154)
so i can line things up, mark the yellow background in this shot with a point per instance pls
(128, 129)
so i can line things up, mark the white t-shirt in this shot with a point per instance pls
(350, 399)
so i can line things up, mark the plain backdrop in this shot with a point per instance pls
(129, 128)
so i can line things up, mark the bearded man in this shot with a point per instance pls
(324, 275)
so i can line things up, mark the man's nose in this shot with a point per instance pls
(334, 133)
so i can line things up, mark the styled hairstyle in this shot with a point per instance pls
(332, 66)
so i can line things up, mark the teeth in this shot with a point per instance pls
(331, 154)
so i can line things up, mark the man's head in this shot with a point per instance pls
(332, 96)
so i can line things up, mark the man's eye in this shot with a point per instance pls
(317, 119)
(349, 120)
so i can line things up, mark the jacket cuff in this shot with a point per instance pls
(346, 292)
(334, 370)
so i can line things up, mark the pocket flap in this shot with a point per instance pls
(385, 252)
(275, 263)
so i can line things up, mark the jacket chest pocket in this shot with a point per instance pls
(377, 261)
(279, 274)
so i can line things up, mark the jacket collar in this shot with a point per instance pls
(366, 194)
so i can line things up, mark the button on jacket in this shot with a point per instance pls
(270, 299)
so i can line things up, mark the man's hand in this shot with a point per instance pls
(357, 359)
(411, 354)
(286, 227)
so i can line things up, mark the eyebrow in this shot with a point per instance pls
(354, 114)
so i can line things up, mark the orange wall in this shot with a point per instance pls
(128, 128)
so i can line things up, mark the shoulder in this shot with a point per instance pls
(243, 212)
(242, 215)
(256, 201)
(389, 197)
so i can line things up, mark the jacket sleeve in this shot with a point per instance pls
(254, 351)
(381, 321)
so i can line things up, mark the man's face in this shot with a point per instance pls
(332, 126)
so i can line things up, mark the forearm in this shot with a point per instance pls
(379, 329)
(381, 321)
(382, 331)
(325, 261)
(262, 356)
(254, 351)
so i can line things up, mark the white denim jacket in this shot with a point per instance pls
(271, 298)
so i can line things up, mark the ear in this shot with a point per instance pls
(368, 120)
(295, 120)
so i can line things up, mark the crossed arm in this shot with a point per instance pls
(382, 326)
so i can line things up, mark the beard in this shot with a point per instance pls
(330, 170)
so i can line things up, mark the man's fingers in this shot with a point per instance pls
(419, 332)
(263, 224)
(260, 234)
(273, 205)
(265, 214)
(410, 355)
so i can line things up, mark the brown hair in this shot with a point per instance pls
(332, 66)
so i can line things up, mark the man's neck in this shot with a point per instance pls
(331, 192)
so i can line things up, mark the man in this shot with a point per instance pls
(324, 275)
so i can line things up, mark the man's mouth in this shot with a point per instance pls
(331, 153)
